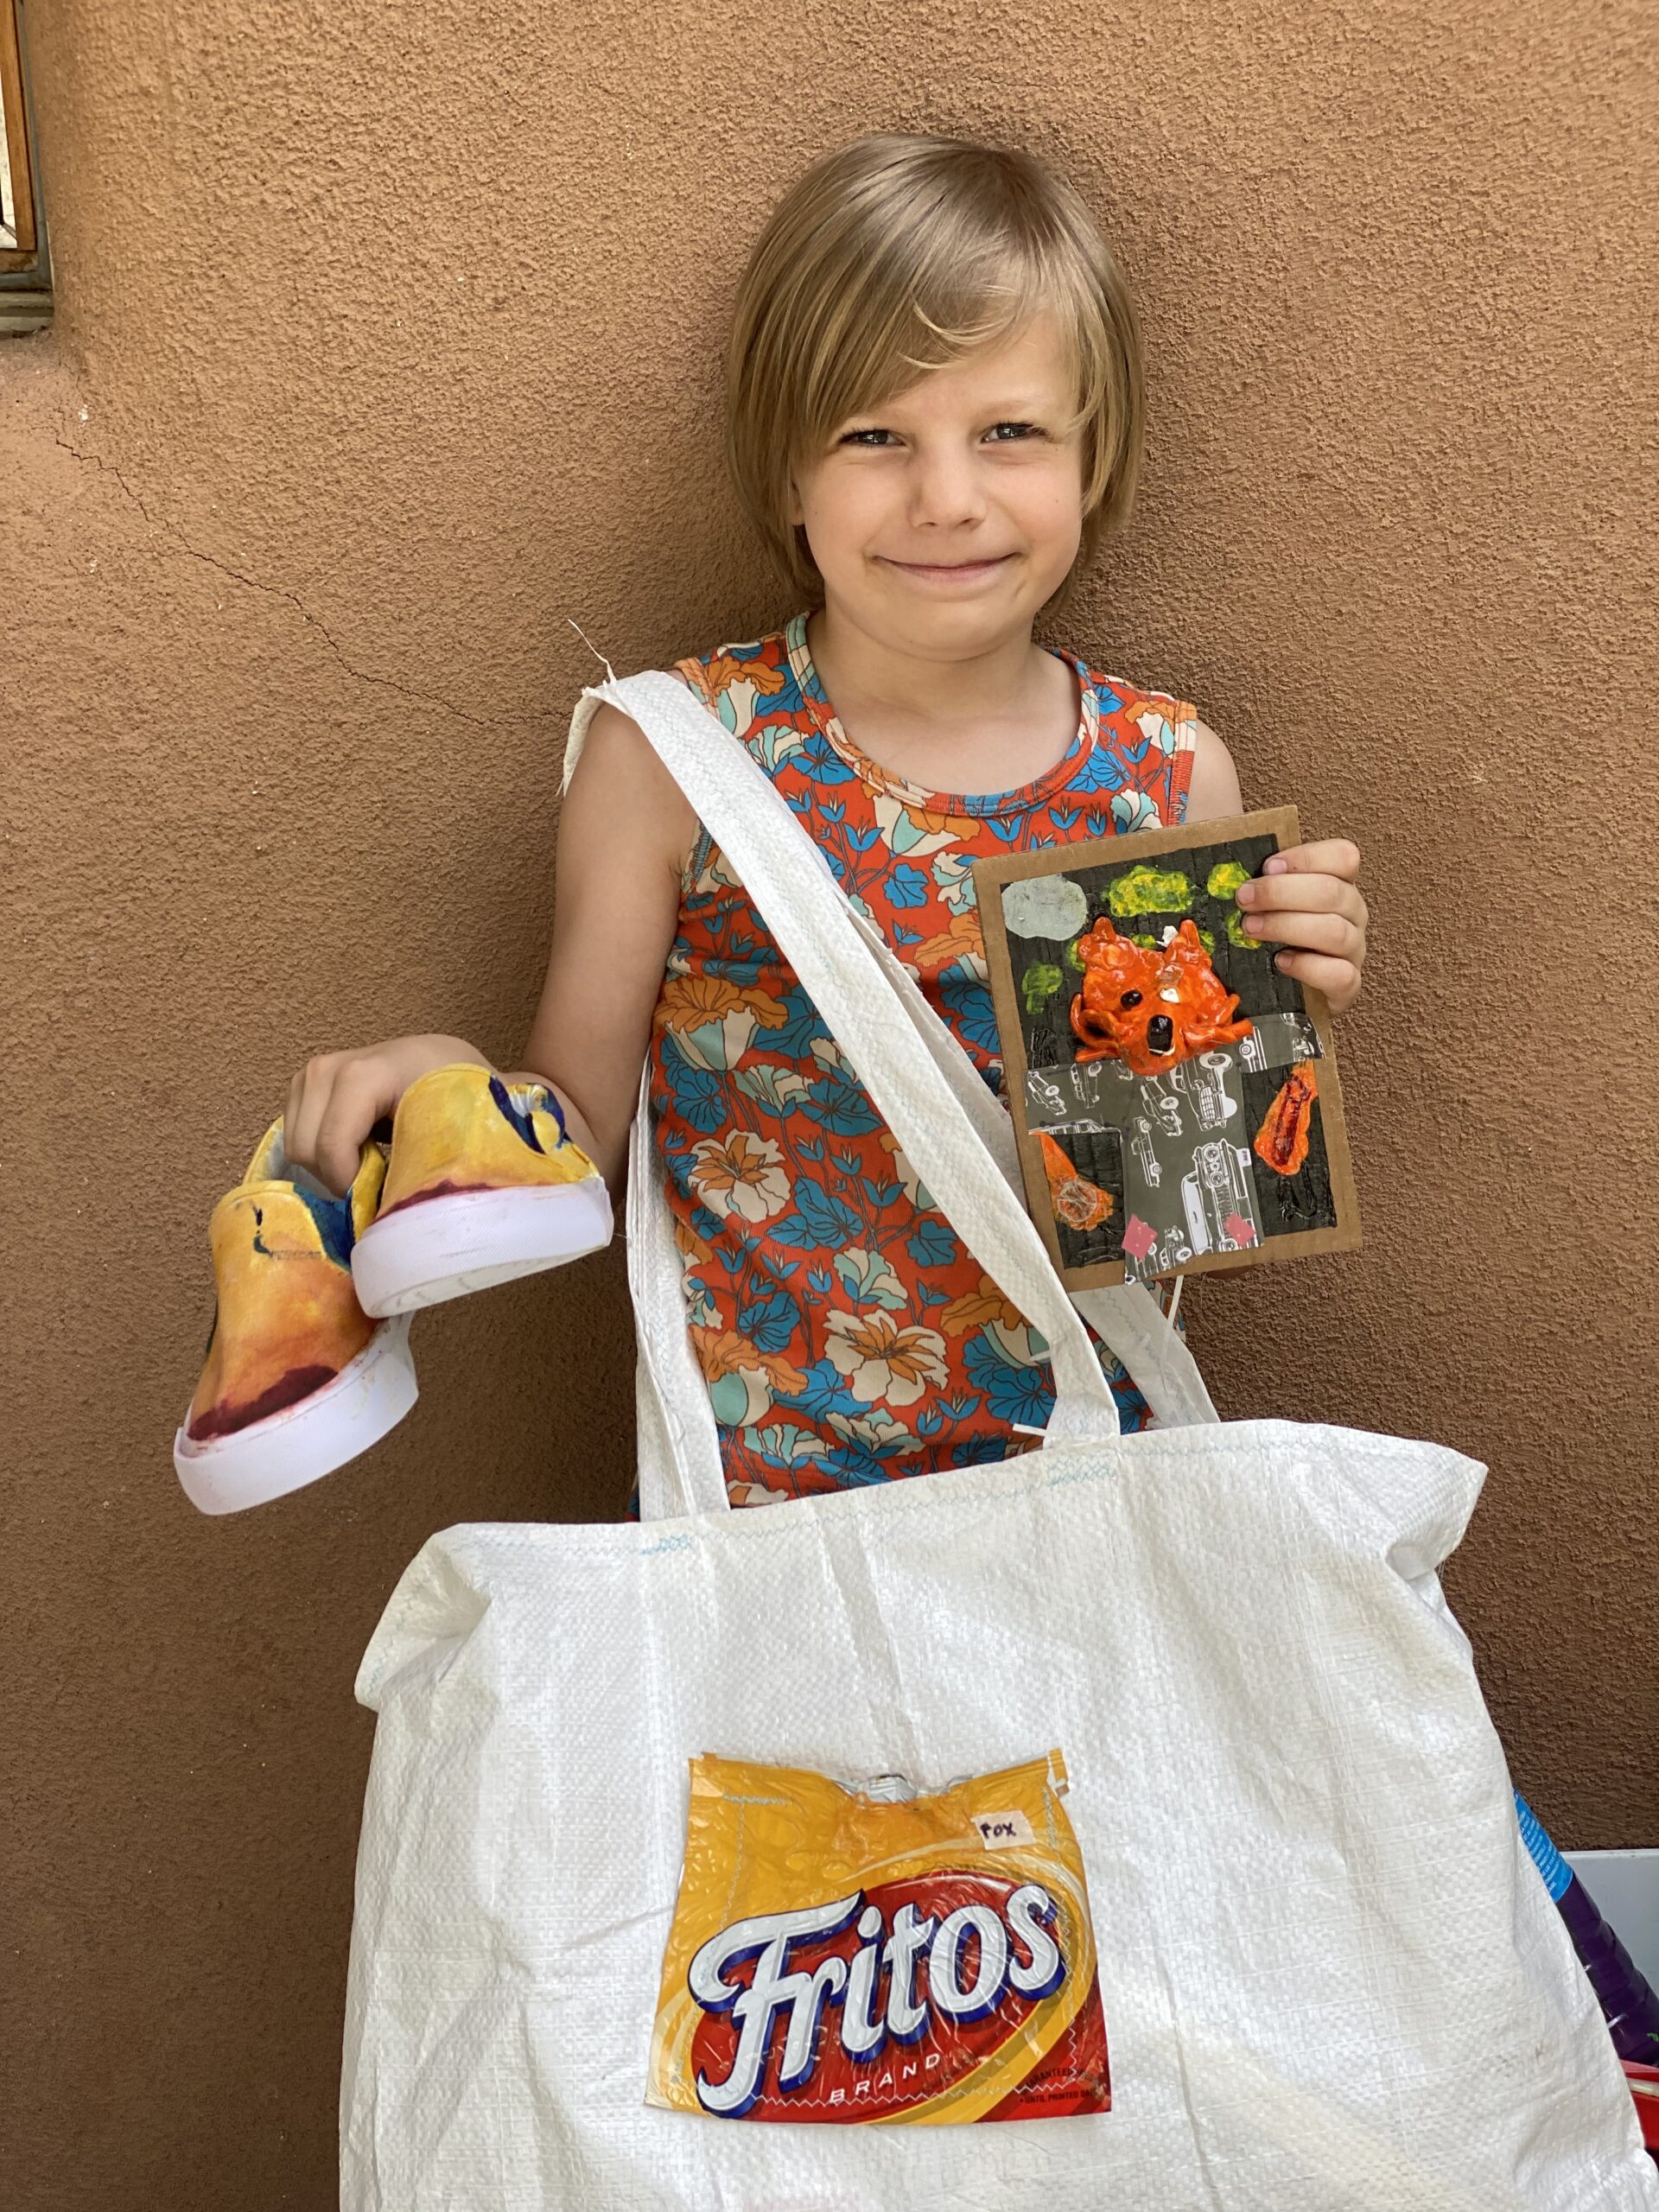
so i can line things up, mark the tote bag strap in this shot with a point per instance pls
(678, 1445)
(956, 1135)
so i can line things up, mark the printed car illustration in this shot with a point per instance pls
(1219, 1192)
(1203, 1080)
(1145, 1158)
(1163, 1103)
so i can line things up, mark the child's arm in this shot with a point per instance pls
(623, 836)
(1309, 897)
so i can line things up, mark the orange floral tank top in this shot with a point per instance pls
(845, 1334)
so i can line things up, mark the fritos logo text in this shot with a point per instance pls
(930, 1960)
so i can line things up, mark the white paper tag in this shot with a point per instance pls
(997, 1830)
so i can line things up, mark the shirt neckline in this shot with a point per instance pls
(915, 795)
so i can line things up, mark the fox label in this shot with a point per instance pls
(889, 1976)
(999, 1830)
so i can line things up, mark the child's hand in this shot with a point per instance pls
(336, 1099)
(1308, 897)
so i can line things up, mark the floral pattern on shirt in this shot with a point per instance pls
(846, 1334)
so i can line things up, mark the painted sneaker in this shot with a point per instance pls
(298, 1378)
(484, 1185)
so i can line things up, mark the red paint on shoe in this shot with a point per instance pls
(288, 1390)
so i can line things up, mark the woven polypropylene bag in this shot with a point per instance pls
(1329, 1974)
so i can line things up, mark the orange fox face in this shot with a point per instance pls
(1151, 1007)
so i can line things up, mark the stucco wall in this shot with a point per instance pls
(387, 341)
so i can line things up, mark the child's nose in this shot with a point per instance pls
(945, 490)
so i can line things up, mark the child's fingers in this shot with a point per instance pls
(334, 1101)
(291, 1112)
(1339, 980)
(1330, 856)
(364, 1087)
(308, 1095)
(1333, 934)
(1304, 894)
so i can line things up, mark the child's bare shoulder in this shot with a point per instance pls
(617, 744)
(618, 777)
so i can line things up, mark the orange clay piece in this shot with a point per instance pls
(1078, 1203)
(1151, 1007)
(1282, 1140)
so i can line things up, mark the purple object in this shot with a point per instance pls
(1630, 2007)
(1628, 2003)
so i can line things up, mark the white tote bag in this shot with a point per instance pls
(1329, 1974)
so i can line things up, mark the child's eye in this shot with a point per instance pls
(1025, 429)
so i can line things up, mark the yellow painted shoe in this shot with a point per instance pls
(484, 1185)
(298, 1378)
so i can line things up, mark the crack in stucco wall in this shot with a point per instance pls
(274, 591)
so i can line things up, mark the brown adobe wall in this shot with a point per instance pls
(387, 342)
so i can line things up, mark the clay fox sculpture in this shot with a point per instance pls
(1151, 1006)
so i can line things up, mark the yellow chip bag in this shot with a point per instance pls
(849, 1954)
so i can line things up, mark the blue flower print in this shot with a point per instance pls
(905, 886)
(822, 1222)
(804, 1029)
(932, 1242)
(1015, 1394)
(1101, 771)
(826, 764)
(967, 1003)
(770, 1322)
(979, 1452)
(853, 1467)
(841, 1104)
(699, 1096)
(827, 1392)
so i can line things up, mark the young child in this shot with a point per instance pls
(935, 413)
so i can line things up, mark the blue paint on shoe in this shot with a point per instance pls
(332, 1217)
(522, 1121)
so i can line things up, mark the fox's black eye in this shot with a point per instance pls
(1130, 998)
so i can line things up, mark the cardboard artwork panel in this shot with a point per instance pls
(1163, 1130)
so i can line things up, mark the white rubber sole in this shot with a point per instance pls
(468, 1239)
(307, 1441)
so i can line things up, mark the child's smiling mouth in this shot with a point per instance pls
(947, 572)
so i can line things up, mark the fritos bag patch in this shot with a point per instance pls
(849, 1953)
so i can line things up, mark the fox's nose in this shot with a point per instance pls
(1161, 1033)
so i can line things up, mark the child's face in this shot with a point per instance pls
(945, 518)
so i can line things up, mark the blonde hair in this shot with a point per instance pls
(898, 253)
